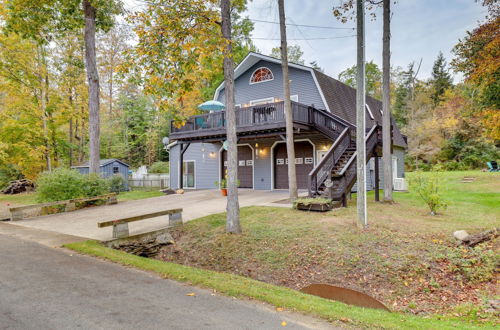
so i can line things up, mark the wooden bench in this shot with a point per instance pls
(120, 226)
(17, 213)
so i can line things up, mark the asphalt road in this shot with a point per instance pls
(43, 287)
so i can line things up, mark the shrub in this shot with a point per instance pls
(60, 184)
(95, 185)
(8, 173)
(474, 264)
(159, 167)
(427, 186)
(117, 183)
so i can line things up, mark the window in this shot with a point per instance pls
(294, 98)
(188, 174)
(116, 170)
(262, 101)
(261, 75)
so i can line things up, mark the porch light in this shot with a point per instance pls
(212, 155)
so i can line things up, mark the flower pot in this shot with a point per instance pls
(315, 207)
(224, 191)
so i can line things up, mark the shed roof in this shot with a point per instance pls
(103, 162)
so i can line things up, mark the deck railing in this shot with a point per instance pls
(259, 115)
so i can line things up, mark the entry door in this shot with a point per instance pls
(188, 174)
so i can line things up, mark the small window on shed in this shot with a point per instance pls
(116, 170)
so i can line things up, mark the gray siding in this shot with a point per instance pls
(107, 171)
(302, 84)
(262, 167)
(206, 158)
(174, 158)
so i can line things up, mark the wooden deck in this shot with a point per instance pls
(256, 121)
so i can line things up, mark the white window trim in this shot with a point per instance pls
(262, 101)
(258, 82)
(188, 161)
(294, 98)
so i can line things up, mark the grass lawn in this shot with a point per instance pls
(239, 286)
(407, 258)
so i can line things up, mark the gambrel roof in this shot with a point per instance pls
(338, 98)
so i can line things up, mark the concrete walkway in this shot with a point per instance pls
(47, 288)
(195, 204)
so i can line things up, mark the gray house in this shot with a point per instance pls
(323, 115)
(108, 167)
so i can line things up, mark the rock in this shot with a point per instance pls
(168, 191)
(165, 238)
(461, 235)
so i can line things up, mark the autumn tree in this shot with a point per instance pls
(57, 17)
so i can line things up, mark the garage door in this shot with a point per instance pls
(245, 166)
(304, 164)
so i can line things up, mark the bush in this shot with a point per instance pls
(7, 174)
(95, 185)
(62, 184)
(117, 183)
(159, 167)
(474, 264)
(427, 186)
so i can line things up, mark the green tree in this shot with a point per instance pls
(373, 78)
(295, 54)
(441, 79)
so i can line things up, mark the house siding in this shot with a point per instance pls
(206, 166)
(302, 84)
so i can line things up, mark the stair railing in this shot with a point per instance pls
(323, 169)
(347, 175)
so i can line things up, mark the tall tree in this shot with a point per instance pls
(373, 77)
(294, 53)
(360, 116)
(441, 79)
(290, 144)
(386, 103)
(233, 207)
(54, 18)
(93, 81)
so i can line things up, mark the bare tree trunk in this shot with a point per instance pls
(43, 101)
(93, 81)
(233, 207)
(386, 103)
(70, 132)
(290, 146)
(360, 116)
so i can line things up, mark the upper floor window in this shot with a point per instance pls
(261, 75)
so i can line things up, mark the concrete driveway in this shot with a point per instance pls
(195, 204)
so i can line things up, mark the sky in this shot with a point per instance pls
(420, 30)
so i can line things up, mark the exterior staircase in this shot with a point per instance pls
(334, 176)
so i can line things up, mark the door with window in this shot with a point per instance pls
(188, 174)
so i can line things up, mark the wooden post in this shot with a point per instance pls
(360, 115)
(184, 147)
(377, 183)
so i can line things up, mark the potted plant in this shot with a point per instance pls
(313, 204)
(222, 185)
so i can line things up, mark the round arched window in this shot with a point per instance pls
(261, 75)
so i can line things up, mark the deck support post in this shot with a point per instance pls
(184, 147)
(377, 180)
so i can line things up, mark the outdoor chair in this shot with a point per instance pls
(492, 166)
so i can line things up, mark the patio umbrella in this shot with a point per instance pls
(211, 106)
